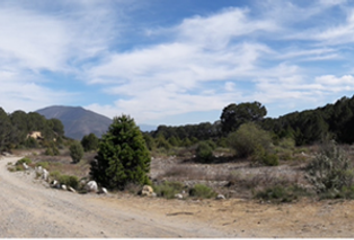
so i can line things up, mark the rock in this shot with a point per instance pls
(6, 154)
(54, 184)
(45, 174)
(64, 187)
(103, 191)
(39, 170)
(147, 191)
(220, 197)
(25, 166)
(70, 189)
(91, 186)
(179, 196)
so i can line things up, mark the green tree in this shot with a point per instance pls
(89, 142)
(233, 115)
(248, 138)
(122, 156)
(76, 152)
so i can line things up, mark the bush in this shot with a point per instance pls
(89, 142)
(330, 170)
(281, 194)
(168, 189)
(23, 160)
(260, 155)
(76, 152)
(202, 191)
(43, 164)
(68, 180)
(247, 138)
(204, 152)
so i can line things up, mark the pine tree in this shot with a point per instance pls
(122, 156)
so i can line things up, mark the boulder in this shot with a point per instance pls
(91, 186)
(26, 167)
(64, 187)
(45, 174)
(147, 191)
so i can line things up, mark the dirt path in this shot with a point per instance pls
(30, 210)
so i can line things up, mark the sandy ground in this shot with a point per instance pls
(30, 209)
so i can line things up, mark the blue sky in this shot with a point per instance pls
(175, 62)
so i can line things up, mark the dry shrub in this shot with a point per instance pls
(185, 172)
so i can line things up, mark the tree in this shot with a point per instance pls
(76, 152)
(233, 116)
(122, 157)
(248, 138)
(7, 131)
(89, 142)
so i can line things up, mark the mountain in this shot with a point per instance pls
(77, 121)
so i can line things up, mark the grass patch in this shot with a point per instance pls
(168, 189)
(202, 191)
(281, 194)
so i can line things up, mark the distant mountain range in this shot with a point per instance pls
(79, 122)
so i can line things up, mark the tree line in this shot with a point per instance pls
(333, 121)
(15, 127)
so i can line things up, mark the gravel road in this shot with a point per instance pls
(31, 210)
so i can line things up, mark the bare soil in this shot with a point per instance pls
(29, 208)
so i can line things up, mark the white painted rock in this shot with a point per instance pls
(91, 186)
(64, 187)
(179, 196)
(220, 197)
(70, 189)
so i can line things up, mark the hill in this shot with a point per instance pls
(77, 121)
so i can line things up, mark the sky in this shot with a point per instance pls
(175, 62)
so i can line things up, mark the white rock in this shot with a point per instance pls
(45, 174)
(179, 196)
(70, 189)
(147, 191)
(64, 187)
(91, 186)
(220, 197)
(104, 190)
(25, 166)
(54, 184)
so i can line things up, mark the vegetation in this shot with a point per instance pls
(204, 152)
(202, 191)
(122, 157)
(76, 152)
(168, 189)
(90, 142)
(331, 170)
(248, 138)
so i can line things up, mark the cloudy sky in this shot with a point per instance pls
(175, 62)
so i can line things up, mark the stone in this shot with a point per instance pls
(179, 196)
(91, 186)
(147, 191)
(220, 197)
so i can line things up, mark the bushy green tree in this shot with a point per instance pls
(204, 152)
(233, 115)
(248, 138)
(89, 142)
(122, 156)
(76, 152)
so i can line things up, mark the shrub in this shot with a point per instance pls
(281, 194)
(247, 138)
(68, 180)
(330, 170)
(260, 155)
(23, 160)
(89, 142)
(43, 164)
(168, 189)
(76, 152)
(202, 191)
(204, 152)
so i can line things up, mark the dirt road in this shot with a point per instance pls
(30, 210)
